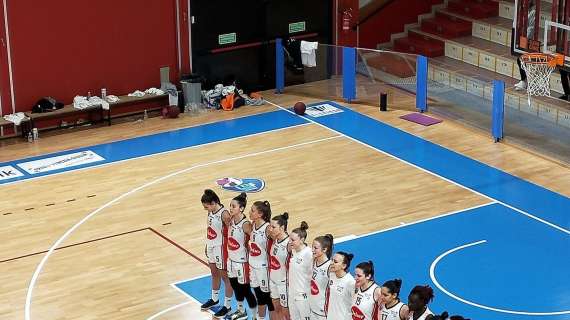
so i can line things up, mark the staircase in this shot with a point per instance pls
(468, 43)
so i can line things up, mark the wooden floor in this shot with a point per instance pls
(119, 263)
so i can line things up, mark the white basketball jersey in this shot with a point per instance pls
(300, 271)
(237, 241)
(392, 313)
(364, 306)
(422, 317)
(339, 297)
(319, 284)
(259, 246)
(215, 231)
(278, 260)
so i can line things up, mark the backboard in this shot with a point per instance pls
(542, 26)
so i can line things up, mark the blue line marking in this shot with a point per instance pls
(492, 182)
(171, 140)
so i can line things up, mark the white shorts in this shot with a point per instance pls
(299, 308)
(259, 278)
(238, 270)
(279, 291)
(216, 256)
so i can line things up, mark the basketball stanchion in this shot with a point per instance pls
(383, 101)
(498, 115)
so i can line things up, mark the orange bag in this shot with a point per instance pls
(228, 102)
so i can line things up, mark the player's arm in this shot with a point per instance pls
(404, 312)
(226, 218)
(378, 299)
(247, 228)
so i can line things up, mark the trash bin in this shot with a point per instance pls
(192, 89)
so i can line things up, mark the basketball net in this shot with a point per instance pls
(538, 68)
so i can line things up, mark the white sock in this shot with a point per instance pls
(240, 305)
(252, 311)
(215, 295)
(260, 317)
(228, 302)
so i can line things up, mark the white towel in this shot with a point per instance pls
(137, 93)
(16, 118)
(154, 91)
(308, 55)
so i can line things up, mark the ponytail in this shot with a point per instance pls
(301, 231)
(210, 196)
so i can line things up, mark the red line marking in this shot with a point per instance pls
(179, 247)
(113, 236)
(75, 244)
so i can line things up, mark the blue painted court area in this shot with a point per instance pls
(522, 267)
(482, 178)
(144, 146)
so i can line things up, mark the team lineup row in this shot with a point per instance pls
(290, 279)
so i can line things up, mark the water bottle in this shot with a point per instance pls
(35, 134)
(145, 114)
(103, 93)
(30, 137)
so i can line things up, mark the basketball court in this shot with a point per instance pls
(110, 224)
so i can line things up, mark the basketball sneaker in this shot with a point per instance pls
(208, 304)
(520, 86)
(238, 315)
(222, 312)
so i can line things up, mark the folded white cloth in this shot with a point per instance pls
(16, 118)
(154, 91)
(95, 101)
(112, 98)
(137, 93)
(81, 102)
(308, 55)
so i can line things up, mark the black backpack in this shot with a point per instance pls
(46, 104)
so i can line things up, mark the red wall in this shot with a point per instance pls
(65, 48)
(391, 19)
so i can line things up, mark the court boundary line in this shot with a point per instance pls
(473, 304)
(442, 215)
(426, 170)
(151, 229)
(171, 308)
(148, 135)
(140, 157)
(39, 268)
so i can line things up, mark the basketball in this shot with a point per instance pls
(170, 112)
(300, 108)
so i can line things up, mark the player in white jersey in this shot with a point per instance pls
(260, 214)
(238, 269)
(299, 275)
(418, 301)
(341, 288)
(322, 252)
(392, 307)
(278, 264)
(367, 298)
(216, 250)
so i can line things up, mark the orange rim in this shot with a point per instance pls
(543, 58)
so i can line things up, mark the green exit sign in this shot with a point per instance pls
(227, 38)
(296, 27)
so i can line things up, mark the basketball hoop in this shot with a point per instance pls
(538, 67)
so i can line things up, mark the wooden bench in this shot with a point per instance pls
(102, 115)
